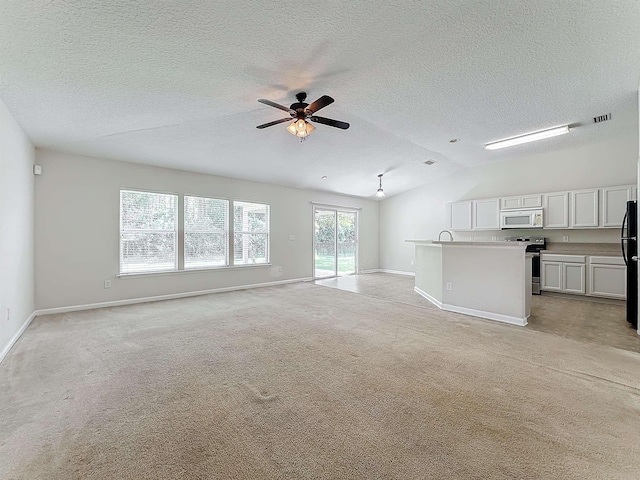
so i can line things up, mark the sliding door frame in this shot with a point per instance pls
(335, 210)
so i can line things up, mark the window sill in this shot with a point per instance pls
(125, 276)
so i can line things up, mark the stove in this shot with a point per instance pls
(534, 246)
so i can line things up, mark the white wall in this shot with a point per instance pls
(77, 230)
(16, 229)
(421, 213)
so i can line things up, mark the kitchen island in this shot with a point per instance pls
(485, 279)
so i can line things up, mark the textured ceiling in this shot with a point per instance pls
(176, 83)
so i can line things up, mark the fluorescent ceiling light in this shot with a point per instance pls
(528, 137)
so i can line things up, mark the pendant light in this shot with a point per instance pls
(380, 192)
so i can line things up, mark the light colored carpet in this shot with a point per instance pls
(303, 381)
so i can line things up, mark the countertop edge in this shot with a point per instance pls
(469, 244)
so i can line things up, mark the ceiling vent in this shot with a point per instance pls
(429, 162)
(602, 118)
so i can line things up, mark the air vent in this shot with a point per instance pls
(602, 118)
(429, 162)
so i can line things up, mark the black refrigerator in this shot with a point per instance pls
(629, 241)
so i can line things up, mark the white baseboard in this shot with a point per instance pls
(488, 315)
(374, 270)
(173, 296)
(424, 294)
(397, 272)
(470, 311)
(15, 338)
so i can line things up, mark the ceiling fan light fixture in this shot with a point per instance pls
(300, 128)
(380, 192)
(292, 129)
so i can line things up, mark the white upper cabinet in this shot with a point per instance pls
(589, 208)
(584, 208)
(459, 216)
(532, 201)
(510, 203)
(486, 214)
(614, 204)
(556, 207)
(521, 202)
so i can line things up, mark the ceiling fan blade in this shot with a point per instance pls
(277, 105)
(330, 122)
(265, 125)
(322, 102)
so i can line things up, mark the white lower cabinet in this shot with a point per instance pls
(607, 277)
(551, 276)
(596, 276)
(573, 278)
(563, 273)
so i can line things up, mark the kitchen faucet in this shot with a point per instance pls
(445, 231)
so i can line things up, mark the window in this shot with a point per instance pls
(148, 232)
(250, 233)
(206, 232)
(151, 227)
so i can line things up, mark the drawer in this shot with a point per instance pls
(554, 257)
(604, 260)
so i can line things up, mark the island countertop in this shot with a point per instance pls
(469, 244)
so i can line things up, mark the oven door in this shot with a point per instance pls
(535, 274)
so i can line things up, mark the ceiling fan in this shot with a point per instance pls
(303, 113)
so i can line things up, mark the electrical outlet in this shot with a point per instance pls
(292, 237)
(449, 286)
(472, 238)
(494, 238)
(279, 268)
(412, 263)
(565, 238)
(107, 284)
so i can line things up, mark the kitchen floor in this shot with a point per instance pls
(578, 318)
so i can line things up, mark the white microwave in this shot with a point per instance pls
(521, 218)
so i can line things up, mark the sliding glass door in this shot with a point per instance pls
(335, 242)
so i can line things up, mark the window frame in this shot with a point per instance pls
(233, 232)
(227, 234)
(176, 232)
